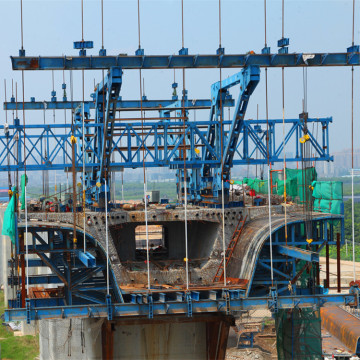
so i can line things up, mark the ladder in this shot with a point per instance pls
(229, 251)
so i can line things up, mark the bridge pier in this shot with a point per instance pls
(199, 337)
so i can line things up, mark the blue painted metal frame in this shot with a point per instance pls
(297, 253)
(207, 303)
(81, 282)
(286, 256)
(225, 146)
(349, 58)
(90, 292)
(160, 149)
(123, 105)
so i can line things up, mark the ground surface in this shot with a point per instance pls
(346, 269)
(264, 346)
(16, 347)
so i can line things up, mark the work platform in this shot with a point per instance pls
(83, 285)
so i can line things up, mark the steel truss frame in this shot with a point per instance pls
(160, 141)
(85, 291)
(82, 275)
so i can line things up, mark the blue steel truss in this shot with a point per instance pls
(207, 158)
(161, 144)
(80, 277)
(225, 146)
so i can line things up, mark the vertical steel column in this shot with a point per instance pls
(338, 262)
(327, 260)
(317, 269)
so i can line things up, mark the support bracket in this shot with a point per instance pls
(273, 301)
(151, 306)
(28, 315)
(109, 307)
(189, 304)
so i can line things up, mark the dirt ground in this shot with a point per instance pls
(264, 346)
(265, 342)
(346, 269)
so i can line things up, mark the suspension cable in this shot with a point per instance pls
(82, 20)
(26, 219)
(184, 155)
(23, 95)
(352, 153)
(73, 170)
(66, 143)
(268, 153)
(102, 24)
(283, 118)
(21, 24)
(222, 162)
(144, 168)
(107, 243)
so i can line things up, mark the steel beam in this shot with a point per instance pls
(171, 308)
(123, 105)
(184, 61)
(298, 253)
(86, 258)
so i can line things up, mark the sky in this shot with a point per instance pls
(51, 27)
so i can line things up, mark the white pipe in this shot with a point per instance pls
(223, 228)
(186, 232)
(147, 236)
(107, 241)
(270, 226)
(353, 220)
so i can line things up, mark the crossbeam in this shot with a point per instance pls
(184, 61)
(123, 105)
(171, 308)
(298, 253)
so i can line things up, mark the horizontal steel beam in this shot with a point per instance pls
(171, 308)
(124, 105)
(184, 61)
(298, 253)
(86, 258)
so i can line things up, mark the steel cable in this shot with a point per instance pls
(268, 155)
(222, 156)
(184, 155)
(143, 154)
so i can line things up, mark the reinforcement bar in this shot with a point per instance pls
(184, 61)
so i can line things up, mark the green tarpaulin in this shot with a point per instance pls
(8, 228)
(328, 196)
(24, 180)
(297, 182)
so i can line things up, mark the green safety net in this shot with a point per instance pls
(296, 180)
(24, 180)
(328, 196)
(260, 186)
(8, 228)
(298, 334)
